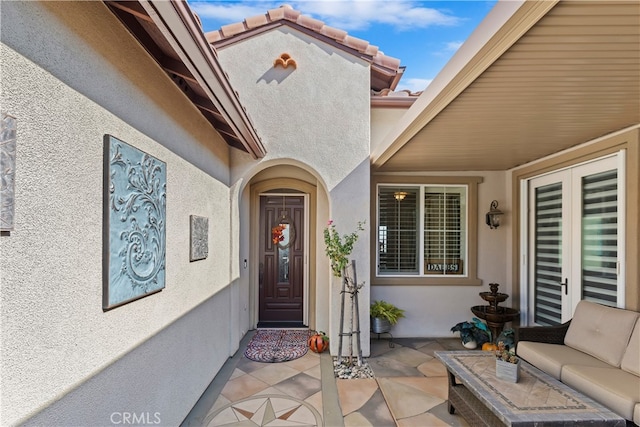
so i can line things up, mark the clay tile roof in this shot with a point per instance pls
(386, 74)
(387, 98)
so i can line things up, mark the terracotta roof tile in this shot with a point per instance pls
(256, 21)
(356, 43)
(333, 33)
(372, 50)
(287, 13)
(290, 13)
(312, 24)
(387, 61)
(232, 29)
(213, 36)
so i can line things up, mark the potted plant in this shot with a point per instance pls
(473, 334)
(507, 364)
(384, 315)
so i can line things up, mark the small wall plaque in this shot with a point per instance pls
(199, 231)
(7, 172)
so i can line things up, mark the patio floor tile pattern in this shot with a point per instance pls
(410, 389)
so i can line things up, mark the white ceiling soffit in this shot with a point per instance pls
(183, 32)
(535, 78)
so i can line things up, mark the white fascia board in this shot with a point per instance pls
(502, 27)
(183, 33)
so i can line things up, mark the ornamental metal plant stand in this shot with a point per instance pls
(350, 286)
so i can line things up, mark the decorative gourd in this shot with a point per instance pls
(318, 342)
(489, 346)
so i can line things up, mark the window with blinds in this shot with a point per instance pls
(422, 230)
(397, 230)
(600, 237)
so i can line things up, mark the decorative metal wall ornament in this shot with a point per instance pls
(199, 232)
(134, 223)
(7, 172)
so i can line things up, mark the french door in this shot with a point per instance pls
(575, 235)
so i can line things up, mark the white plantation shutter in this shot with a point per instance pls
(398, 230)
(443, 229)
(600, 237)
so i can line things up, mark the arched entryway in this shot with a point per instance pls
(282, 281)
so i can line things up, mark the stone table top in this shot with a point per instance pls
(536, 397)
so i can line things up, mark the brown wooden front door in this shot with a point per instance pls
(282, 263)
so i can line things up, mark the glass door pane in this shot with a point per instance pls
(599, 260)
(547, 255)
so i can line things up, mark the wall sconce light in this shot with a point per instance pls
(494, 215)
(400, 195)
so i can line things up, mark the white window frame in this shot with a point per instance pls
(470, 277)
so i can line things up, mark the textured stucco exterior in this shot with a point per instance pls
(314, 117)
(70, 75)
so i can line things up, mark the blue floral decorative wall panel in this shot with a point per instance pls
(134, 223)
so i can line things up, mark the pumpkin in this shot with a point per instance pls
(489, 346)
(318, 342)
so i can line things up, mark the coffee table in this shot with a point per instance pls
(537, 399)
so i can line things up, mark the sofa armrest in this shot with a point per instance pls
(546, 334)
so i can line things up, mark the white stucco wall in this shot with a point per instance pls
(70, 74)
(382, 121)
(318, 115)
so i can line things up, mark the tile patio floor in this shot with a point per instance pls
(409, 389)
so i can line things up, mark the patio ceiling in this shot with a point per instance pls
(534, 79)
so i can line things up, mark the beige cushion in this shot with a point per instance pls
(550, 358)
(631, 359)
(614, 388)
(601, 331)
(636, 414)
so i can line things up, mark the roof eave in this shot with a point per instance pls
(505, 24)
(182, 31)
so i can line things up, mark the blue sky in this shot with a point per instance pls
(422, 34)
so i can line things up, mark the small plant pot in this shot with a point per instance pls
(380, 325)
(470, 345)
(508, 371)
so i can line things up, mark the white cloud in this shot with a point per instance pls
(414, 85)
(453, 46)
(228, 12)
(347, 15)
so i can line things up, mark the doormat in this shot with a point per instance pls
(277, 345)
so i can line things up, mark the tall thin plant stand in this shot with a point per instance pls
(350, 286)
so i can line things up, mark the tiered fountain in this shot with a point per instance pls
(495, 316)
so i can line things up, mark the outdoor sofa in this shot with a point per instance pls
(596, 353)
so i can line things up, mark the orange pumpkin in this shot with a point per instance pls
(489, 346)
(318, 342)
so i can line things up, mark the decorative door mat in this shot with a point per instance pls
(277, 345)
